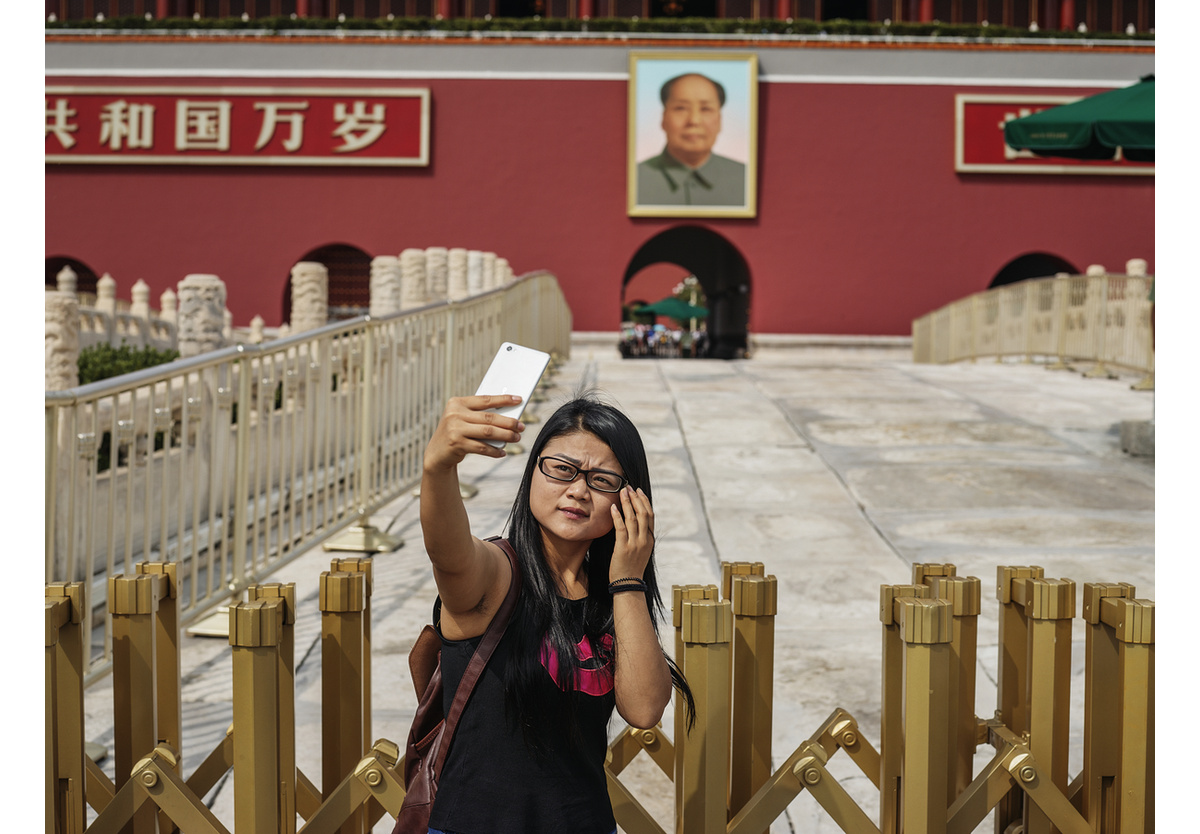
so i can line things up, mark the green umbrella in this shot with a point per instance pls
(1093, 127)
(673, 308)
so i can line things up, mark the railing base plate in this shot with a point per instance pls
(364, 539)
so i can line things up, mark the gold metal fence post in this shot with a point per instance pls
(963, 593)
(65, 663)
(342, 601)
(1050, 607)
(133, 603)
(362, 536)
(241, 466)
(926, 628)
(285, 702)
(891, 730)
(254, 633)
(363, 565)
(754, 600)
(168, 662)
(707, 628)
(1012, 676)
(1118, 767)
(679, 595)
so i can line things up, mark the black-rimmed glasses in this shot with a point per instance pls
(600, 480)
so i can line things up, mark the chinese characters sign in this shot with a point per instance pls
(237, 125)
(979, 146)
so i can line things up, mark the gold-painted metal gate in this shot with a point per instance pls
(721, 770)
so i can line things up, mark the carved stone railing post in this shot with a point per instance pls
(385, 285)
(1136, 267)
(140, 300)
(106, 295)
(437, 272)
(256, 330)
(310, 296)
(201, 314)
(413, 292)
(504, 272)
(489, 270)
(169, 306)
(62, 340)
(67, 280)
(474, 272)
(457, 286)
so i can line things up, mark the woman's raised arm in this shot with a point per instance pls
(642, 678)
(468, 571)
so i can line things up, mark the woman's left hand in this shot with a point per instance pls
(633, 524)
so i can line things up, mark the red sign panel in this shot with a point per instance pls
(979, 146)
(237, 125)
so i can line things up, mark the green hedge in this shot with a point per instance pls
(714, 26)
(103, 361)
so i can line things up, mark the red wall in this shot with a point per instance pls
(863, 223)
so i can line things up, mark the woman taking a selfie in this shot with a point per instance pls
(528, 753)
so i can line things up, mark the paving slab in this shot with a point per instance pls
(838, 467)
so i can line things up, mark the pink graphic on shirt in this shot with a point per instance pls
(594, 676)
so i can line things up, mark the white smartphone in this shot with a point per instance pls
(514, 370)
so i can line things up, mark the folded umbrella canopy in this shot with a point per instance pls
(1093, 127)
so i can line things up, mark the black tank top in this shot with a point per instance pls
(492, 783)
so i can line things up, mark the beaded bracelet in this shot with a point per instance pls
(628, 583)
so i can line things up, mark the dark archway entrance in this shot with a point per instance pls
(349, 281)
(1033, 265)
(722, 272)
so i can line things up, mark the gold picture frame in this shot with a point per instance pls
(693, 146)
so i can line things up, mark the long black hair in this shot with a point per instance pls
(540, 608)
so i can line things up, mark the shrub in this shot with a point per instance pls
(104, 361)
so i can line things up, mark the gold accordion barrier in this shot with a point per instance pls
(721, 770)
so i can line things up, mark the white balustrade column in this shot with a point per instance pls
(169, 306)
(310, 296)
(201, 314)
(67, 280)
(457, 283)
(504, 272)
(62, 340)
(474, 272)
(385, 285)
(489, 271)
(413, 284)
(1136, 267)
(437, 272)
(256, 330)
(140, 300)
(106, 295)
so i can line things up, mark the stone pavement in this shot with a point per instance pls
(835, 464)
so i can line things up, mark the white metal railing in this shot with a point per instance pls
(231, 463)
(1105, 319)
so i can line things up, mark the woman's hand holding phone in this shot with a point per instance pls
(469, 425)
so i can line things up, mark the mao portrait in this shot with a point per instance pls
(692, 135)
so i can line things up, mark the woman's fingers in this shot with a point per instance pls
(470, 423)
(637, 516)
(466, 427)
(637, 506)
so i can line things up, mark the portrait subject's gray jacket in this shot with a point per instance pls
(665, 181)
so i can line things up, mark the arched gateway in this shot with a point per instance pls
(722, 272)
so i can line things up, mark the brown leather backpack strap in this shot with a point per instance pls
(491, 638)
